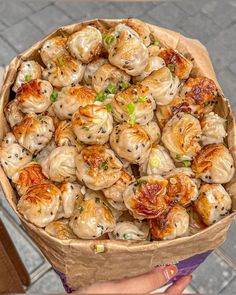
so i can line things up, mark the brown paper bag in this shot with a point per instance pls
(77, 259)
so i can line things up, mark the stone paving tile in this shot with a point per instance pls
(190, 7)
(230, 288)
(232, 67)
(2, 26)
(22, 35)
(49, 18)
(6, 52)
(134, 9)
(6, 205)
(110, 10)
(227, 81)
(229, 246)
(37, 4)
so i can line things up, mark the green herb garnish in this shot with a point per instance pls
(34, 159)
(130, 108)
(97, 200)
(206, 103)
(132, 119)
(81, 209)
(142, 99)
(124, 85)
(109, 107)
(177, 157)
(103, 164)
(60, 61)
(108, 39)
(53, 96)
(27, 78)
(126, 236)
(85, 128)
(111, 89)
(156, 43)
(40, 117)
(187, 163)
(101, 96)
(171, 67)
(141, 181)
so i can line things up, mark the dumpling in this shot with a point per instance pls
(181, 188)
(92, 124)
(127, 230)
(64, 71)
(126, 50)
(53, 48)
(146, 197)
(12, 155)
(34, 96)
(70, 99)
(195, 222)
(154, 63)
(40, 204)
(114, 193)
(133, 105)
(158, 162)
(44, 153)
(98, 167)
(13, 113)
(28, 176)
(172, 225)
(85, 44)
(131, 142)
(59, 166)
(213, 203)
(107, 75)
(187, 171)
(28, 70)
(213, 129)
(214, 164)
(177, 63)
(60, 229)
(181, 136)
(91, 69)
(163, 86)
(153, 131)
(155, 48)
(141, 28)
(93, 218)
(34, 132)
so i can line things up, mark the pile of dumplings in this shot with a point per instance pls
(112, 137)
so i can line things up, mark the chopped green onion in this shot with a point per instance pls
(111, 89)
(97, 200)
(142, 99)
(99, 248)
(141, 181)
(158, 136)
(40, 117)
(154, 162)
(109, 107)
(130, 108)
(124, 85)
(101, 96)
(34, 159)
(177, 157)
(53, 96)
(108, 39)
(126, 236)
(132, 119)
(187, 163)
(103, 164)
(27, 78)
(171, 67)
(206, 103)
(60, 61)
(81, 209)
(85, 128)
(138, 82)
(156, 43)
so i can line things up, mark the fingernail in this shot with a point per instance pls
(170, 271)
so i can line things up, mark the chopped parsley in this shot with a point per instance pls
(187, 163)
(111, 89)
(101, 96)
(53, 96)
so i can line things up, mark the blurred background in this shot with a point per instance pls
(213, 22)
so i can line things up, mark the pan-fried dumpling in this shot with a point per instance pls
(34, 96)
(133, 104)
(28, 70)
(114, 193)
(158, 162)
(154, 63)
(60, 229)
(153, 131)
(127, 230)
(64, 71)
(181, 136)
(98, 167)
(214, 164)
(146, 197)
(85, 44)
(92, 124)
(171, 225)
(131, 142)
(163, 86)
(12, 155)
(28, 176)
(93, 218)
(34, 132)
(126, 50)
(13, 113)
(155, 48)
(44, 153)
(108, 75)
(213, 129)
(59, 166)
(91, 69)
(141, 28)
(40, 204)
(70, 99)
(195, 222)
(53, 48)
(213, 203)
(177, 63)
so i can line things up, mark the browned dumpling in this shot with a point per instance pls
(146, 197)
(44, 153)
(127, 230)
(53, 48)
(181, 136)
(60, 229)
(12, 112)
(214, 164)
(85, 44)
(114, 193)
(177, 63)
(163, 86)
(213, 203)
(40, 204)
(59, 166)
(153, 131)
(98, 167)
(34, 96)
(126, 50)
(107, 75)
(92, 124)
(141, 28)
(12, 155)
(91, 69)
(131, 142)
(28, 176)
(70, 99)
(93, 218)
(173, 224)
(28, 70)
(63, 71)
(34, 132)
(134, 104)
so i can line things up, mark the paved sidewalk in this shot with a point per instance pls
(213, 22)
